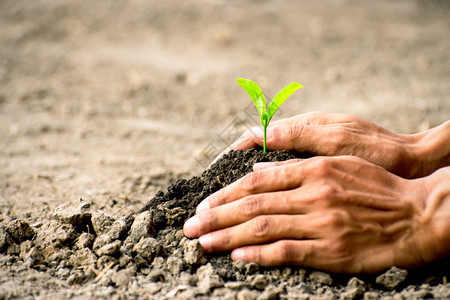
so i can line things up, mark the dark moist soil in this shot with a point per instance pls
(147, 254)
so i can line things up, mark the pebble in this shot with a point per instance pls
(20, 230)
(175, 265)
(247, 294)
(321, 278)
(101, 221)
(5, 239)
(75, 212)
(85, 240)
(109, 249)
(83, 257)
(193, 252)
(142, 226)
(55, 234)
(147, 248)
(392, 278)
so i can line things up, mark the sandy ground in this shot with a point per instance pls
(111, 101)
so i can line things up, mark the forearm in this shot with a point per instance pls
(431, 149)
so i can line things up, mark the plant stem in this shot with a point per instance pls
(264, 147)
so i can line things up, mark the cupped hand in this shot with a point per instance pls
(339, 214)
(331, 134)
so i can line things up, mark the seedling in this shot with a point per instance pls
(266, 114)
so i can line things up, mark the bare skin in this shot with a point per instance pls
(340, 214)
(327, 134)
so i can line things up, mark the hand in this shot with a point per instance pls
(409, 156)
(338, 214)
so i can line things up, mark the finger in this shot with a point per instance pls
(273, 179)
(266, 165)
(306, 253)
(319, 133)
(261, 229)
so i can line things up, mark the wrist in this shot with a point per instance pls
(435, 215)
(430, 149)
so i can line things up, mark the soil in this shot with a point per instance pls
(147, 251)
(113, 101)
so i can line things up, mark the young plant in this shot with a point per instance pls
(266, 114)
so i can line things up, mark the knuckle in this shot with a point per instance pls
(209, 221)
(287, 252)
(225, 239)
(336, 219)
(250, 205)
(251, 182)
(261, 226)
(323, 165)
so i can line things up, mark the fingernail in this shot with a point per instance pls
(258, 132)
(237, 254)
(204, 205)
(205, 241)
(263, 165)
(192, 227)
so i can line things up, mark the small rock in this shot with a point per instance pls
(175, 265)
(270, 292)
(101, 241)
(101, 221)
(25, 247)
(251, 268)
(122, 278)
(321, 278)
(235, 285)
(304, 288)
(371, 295)
(5, 239)
(76, 277)
(350, 294)
(83, 257)
(55, 234)
(33, 257)
(247, 294)
(109, 249)
(156, 275)
(75, 212)
(193, 251)
(85, 240)
(124, 260)
(207, 283)
(13, 249)
(106, 261)
(175, 216)
(118, 229)
(142, 226)
(239, 265)
(392, 278)
(147, 248)
(186, 278)
(205, 271)
(259, 282)
(20, 230)
(56, 257)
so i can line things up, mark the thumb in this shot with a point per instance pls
(279, 137)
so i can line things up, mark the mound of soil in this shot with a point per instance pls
(146, 253)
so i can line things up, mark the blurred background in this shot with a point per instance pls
(113, 100)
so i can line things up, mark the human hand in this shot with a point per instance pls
(327, 134)
(338, 214)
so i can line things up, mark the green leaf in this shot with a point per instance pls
(254, 91)
(281, 97)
